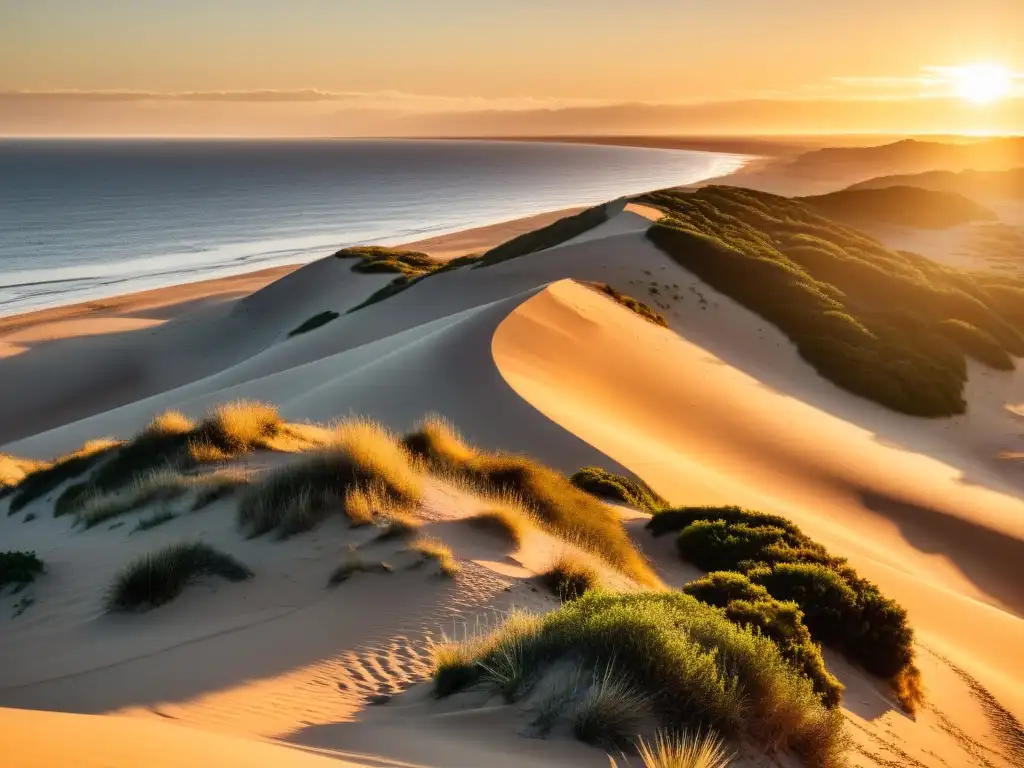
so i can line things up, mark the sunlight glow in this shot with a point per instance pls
(983, 83)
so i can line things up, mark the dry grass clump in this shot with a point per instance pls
(159, 577)
(612, 710)
(363, 473)
(633, 305)
(13, 470)
(50, 476)
(376, 258)
(353, 565)
(507, 522)
(218, 485)
(165, 485)
(570, 576)
(682, 750)
(691, 665)
(397, 524)
(155, 520)
(607, 485)
(840, 608)
(19, 568)
(432, 548)
(560, 507)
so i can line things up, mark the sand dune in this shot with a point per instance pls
(718, 409)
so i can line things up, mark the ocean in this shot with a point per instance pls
(88, 219)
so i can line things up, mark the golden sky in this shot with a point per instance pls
(336, 67)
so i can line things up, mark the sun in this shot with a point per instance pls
(982, 83)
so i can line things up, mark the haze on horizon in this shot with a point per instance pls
(455, 67)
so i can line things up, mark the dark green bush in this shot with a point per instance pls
(977, 344)
(840, 608)
(314, 322)
(19, 568)
(158, 578)
(833, 290)
(376, 258)
(720, 588)
(549, 236)
(607, 485)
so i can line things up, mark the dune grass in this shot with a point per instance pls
(173, 443)
(840, 608)
(505, 521)
(51, 476)
(865, 317)
(693, 667)
(683, 750)
(155, 520)
(607, 485)
(375, 258)
(547, 237)
(165, 485)
(977, 344)
(633, 305)
(559, 506)
(19, 568)
(363, 471)
(612, 710)
(354, 564)
(317, 320)
(570, 576)
(13, 470)
(432, 548)
(157, 578)
(218, 485)
(905, 206)
(751, 605)
(409, 279)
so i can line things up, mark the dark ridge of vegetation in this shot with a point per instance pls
(977, 344)
(13, 470)
(993, 184)
(348, 569)
(866, 318)
(323, 318)
(376, 258)
(49, 477)
(173, 441)
(217, 487)
(551, 235)
(561, 506)
(156, 519)
(19, 568)
(637, 307)
(399, 284)
(901, 206)
(569, 577)
(159, 577)
(751, 605)
(693, 667)
(840, 608)
(607, 485)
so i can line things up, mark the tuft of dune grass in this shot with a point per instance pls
(165, 485)
(353, 565)
(507, 522)
(364, 465)
(570, 576)
(398, 525)
(693, 666)
(683, 750)
(159, 577)
(217, 486)
(560, 507)
(432, 548)
(612, 710)
(13, 470)
(155, 520)
(49, 477)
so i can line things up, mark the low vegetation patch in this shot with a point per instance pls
(375, 258)
(362, 472)
(409, 279)
(901, 206)
(688, 664)
(607, 485)
(570, 576)
(218, 485)
(554, 234)
(683, 750)
(840, 609)
(507, 522)
(432, 548)
(559, 505)
(633, 305)
(13, 470)
(19, 568)
(155, 520)
(751, 605)
(977, 344)
(51, 476)
(866, 318)
(353, 565)
(321, 318)
(159, 577)
(157, 486)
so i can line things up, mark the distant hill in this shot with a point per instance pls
(976, 184)
(910, 156)
(901, 206)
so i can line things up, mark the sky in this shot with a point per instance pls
(349, 67)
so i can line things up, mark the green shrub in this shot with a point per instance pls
(839, 607)
(723, 587)
(315, 321)
(19, 568)
(633, 305)
(158, 578)
(693, 666)
(570, 576)
(376, 258)
(604, 484)
(548, 237)
(866, 318)
(559, 505)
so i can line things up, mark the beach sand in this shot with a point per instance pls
(716, 409)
